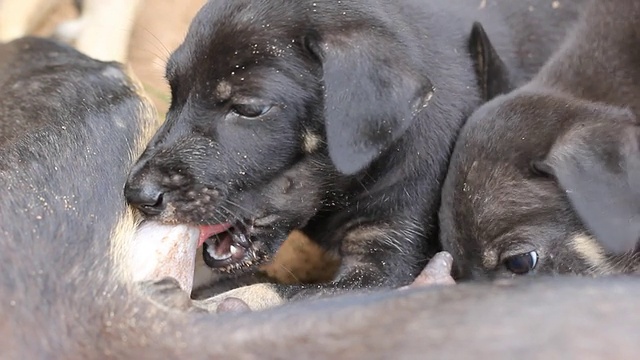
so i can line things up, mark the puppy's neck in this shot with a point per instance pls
(599, 59)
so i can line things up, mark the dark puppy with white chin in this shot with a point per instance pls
(334, 117)
(546, 179)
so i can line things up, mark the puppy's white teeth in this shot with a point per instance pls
(234, 250)
(222, 256)
(211, 242)
(215, 255)
(242, 240)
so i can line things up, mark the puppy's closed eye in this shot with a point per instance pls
(251, 110)
(521, 264)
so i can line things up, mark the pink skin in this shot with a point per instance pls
(437, 272)
(207, 231)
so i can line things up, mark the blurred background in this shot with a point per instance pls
(158, 28)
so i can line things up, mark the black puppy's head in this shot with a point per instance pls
(268, 109)
(538, 182)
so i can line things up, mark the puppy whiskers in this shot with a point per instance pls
(290, 273)
(235, 216)
(238, 206)
(220, 214)
(161, 47)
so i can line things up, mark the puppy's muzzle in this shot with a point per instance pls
(145, 196)
(144, 193)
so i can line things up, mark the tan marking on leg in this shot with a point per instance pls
(300, 260)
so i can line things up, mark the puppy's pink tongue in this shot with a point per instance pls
(207, 231)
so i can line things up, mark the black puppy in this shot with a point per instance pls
(337, 117)
(541, 173)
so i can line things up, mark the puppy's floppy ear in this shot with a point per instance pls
(598, 166)
(493, 75)
(372, 93)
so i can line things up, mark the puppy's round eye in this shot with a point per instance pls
(522, 263)
(250, 110)
(541, 169)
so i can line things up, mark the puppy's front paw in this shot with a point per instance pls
(437, 272)
(254, 297)
(167, 293)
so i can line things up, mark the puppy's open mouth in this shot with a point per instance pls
(160, 250)
(227, 247)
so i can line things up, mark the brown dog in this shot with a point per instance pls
(546, 179)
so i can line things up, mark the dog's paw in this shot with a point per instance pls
(437, 272)
(252, 297)
(167, 293)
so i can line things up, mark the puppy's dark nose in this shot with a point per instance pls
(146, 196)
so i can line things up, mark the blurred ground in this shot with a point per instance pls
(160, 27)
